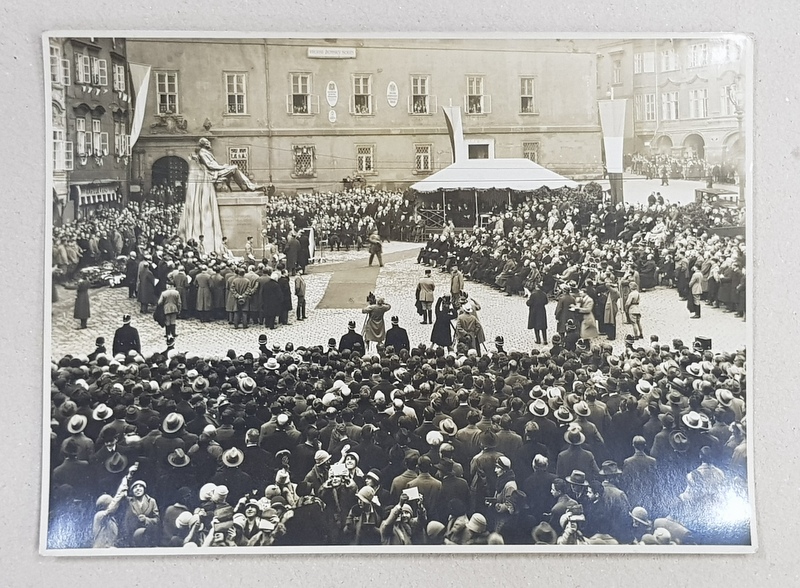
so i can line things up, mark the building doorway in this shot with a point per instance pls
(663, 145)
(694, 146)
(169, 177)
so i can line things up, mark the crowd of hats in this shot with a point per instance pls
(110, 232)
(187, 421)
(565, 236)
(343, 216)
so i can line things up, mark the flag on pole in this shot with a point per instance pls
(141, 81)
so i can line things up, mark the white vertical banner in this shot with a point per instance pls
(452, 115)
(140, 74)
(612, 119)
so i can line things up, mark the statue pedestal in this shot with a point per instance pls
(242, 215)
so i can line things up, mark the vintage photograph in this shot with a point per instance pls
(387, 294)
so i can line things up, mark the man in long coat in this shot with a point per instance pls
(147, 289)
(204, 296)
(537, 315)
(374, 326)
(563, 312)
(292, 251)
(241, 288)
(584, 305)
(271, 299)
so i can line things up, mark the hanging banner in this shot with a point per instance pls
(612, 119)
(140, 74)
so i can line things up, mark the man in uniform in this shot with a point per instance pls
(397, 336)
(126, 338)
(425, 289)
(350, 338)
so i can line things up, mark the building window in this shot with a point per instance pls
(99, 72)
(422, 158)
(167, 91)
(527, 97)
(530, 150)
(301, 93)
(726, 52)
(240, 156)
(698, 55)
(616, 72)
(669, 60)
(476, 102)
(644, 62)
(645, 107)
(420, 95)
(365, 159)
(83, 69)
(62, 152)
(121, 139)
(235, 91)
(55, 64)
(119, 78)
(84, 139)
(362, 95)
(669, 106)
(698, 103)
(478, 151)
(726, 105)
(304, 156)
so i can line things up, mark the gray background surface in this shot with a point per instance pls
(774, 254)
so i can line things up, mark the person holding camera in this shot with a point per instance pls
(374, 326)
(401, 525)
(442, 333)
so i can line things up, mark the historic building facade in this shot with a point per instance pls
(307, 113)
(685, 96)
(91, 112)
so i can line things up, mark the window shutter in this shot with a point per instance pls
(102, 69)
(104, 143)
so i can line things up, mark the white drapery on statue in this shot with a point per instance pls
(200, 212)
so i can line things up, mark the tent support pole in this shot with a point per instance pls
(509, 197)
(477, 216)
(444, 210)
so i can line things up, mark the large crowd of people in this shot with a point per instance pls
(330, 445)
(374, 441)
(571, 241)
(688, 167)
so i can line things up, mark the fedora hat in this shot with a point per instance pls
(536, 392)
(172, 423)
(178, 458)
(696, 420)
(247, 384)
(233, 457)
(577, 478)
(678, 441)
(77, 423)
(448, 427)
(539, 408)
(694, 369)
(582, 409)
(564, 415)
(200, 384)
(724, 397)
(675, 397)
(272, 364)
(610, 468)
(102, 412)
(678, 384)
(116, 463)
(574, 435)
(644, 387)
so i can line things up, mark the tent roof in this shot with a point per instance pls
(518, 174)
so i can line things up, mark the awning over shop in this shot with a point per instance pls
(522, 175)
(94, 194)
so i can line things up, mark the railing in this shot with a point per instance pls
(433, 217)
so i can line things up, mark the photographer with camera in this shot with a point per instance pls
(374, 325)
(401, 526)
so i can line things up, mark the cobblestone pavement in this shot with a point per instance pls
(636, 189)
(662, 314)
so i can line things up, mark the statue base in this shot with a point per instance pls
(242, 215)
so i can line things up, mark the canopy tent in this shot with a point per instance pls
(521, 175)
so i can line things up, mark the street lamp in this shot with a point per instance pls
(736, 96)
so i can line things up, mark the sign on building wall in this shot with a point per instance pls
(332, 94)
(332, 116)
(392, 94)
(332, 52)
